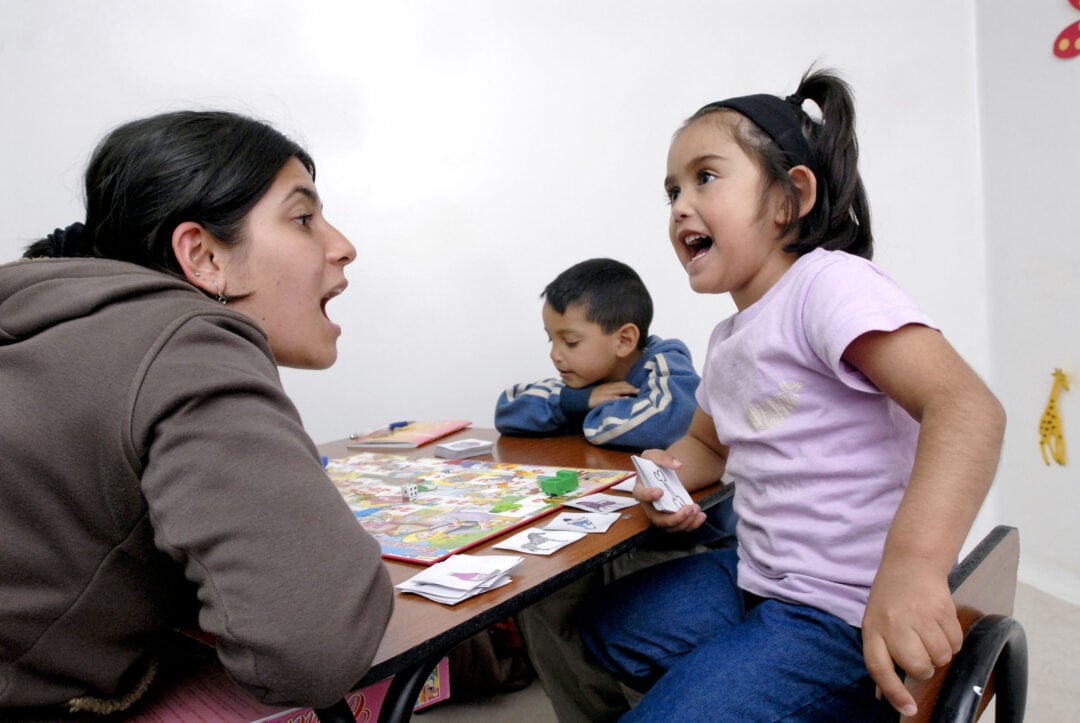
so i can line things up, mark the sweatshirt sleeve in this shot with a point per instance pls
(291, 586)
(545, 406)
(661, 411)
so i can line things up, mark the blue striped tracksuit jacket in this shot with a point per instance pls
(656, 417)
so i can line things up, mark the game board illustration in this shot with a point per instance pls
(423, 510)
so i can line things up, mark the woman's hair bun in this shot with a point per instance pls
(61, 243)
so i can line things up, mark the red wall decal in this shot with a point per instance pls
(1067, 44)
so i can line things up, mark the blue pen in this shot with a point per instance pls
(398, 425)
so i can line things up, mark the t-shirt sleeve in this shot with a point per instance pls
(848, 299)
(291, 586)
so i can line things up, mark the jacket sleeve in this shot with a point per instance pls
(290, 584)
(658, 415)
(544, 406)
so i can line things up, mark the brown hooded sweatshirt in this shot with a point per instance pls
(151, 468)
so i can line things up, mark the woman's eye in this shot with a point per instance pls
(304, 220)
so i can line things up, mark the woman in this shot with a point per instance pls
(154, 469)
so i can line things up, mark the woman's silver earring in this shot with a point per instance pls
(198, 274)
(222, 299)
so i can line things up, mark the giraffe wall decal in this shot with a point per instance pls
(1051, 438)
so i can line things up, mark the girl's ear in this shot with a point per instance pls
(627, 340)
(806, 183)
(197, 252)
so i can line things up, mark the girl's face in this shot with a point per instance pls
(725, 230)
(290, 264)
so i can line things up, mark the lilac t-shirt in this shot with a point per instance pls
(819, 455)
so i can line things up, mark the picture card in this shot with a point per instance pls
(539, 541)
(588, 522)
(461, 576)
(601, 502)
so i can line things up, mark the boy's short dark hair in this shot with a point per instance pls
(611, 293)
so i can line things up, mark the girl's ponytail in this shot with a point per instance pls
(841, 218)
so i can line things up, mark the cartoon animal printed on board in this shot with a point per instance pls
(1051, 438)
(1067, 44)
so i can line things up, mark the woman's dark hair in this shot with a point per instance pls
(150, 175)
(840, 218)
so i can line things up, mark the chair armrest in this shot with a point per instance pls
(993, 644)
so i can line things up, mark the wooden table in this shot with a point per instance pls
(421, 631)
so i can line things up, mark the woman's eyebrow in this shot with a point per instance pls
(306, 191)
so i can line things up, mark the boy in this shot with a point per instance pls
(618, 385)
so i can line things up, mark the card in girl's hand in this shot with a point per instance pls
(583, 521)
(653, 475)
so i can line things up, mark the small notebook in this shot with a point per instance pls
(408, 435)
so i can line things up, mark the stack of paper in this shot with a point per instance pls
(461, 576)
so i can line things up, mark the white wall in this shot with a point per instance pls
(472, 149)
(1029, 105)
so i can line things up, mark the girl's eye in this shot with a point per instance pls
(705, 176)
(571, 344)
(672, 195)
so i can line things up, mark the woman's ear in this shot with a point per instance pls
(627, 341)
(197, 252)
(806, 183)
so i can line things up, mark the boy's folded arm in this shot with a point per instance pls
(658, 415)
(530, 408)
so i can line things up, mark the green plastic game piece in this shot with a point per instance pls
(565, 480)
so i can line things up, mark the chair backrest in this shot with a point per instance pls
(983, 583)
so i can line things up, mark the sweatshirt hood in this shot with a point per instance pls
(38, 294)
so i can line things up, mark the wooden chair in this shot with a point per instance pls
(993, 659)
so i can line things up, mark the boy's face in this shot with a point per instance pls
(580, 350)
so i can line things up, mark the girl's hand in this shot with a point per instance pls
(910, 619)
(686, 518)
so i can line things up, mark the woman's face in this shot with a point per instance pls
(290, 263)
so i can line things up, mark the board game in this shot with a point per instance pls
(423, 510)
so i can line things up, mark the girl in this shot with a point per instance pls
(861, 444)
(154, 469)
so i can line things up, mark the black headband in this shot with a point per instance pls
(781, 119)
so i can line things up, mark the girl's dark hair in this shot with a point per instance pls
(150, 175)
(840, 218)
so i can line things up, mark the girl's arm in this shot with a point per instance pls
(699, 459)
(910, 617)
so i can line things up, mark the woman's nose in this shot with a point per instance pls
(340, 249)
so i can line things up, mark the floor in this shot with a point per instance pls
(1053, 633)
